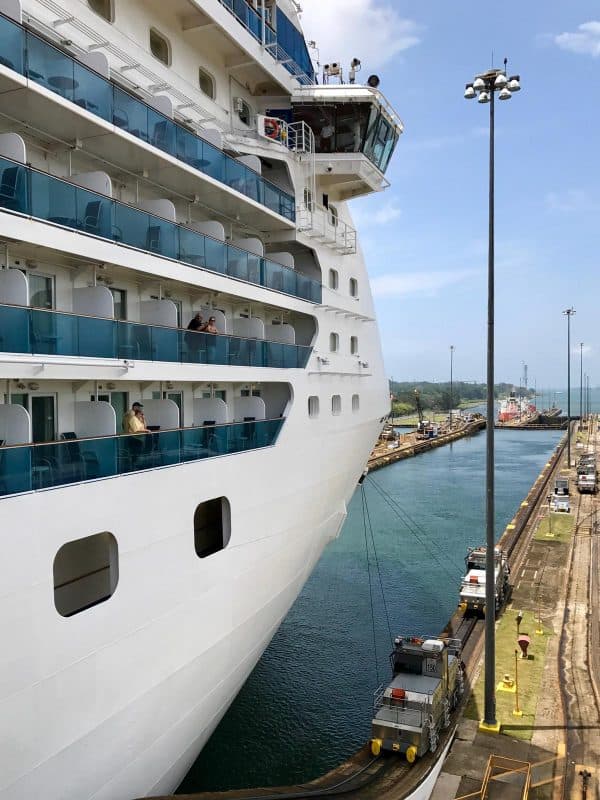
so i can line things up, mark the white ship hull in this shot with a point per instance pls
(113, 699)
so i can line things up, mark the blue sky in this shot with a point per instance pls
(425, 238)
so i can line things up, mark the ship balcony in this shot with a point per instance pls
(323, 225)
(35, 332)
(53, 92)
(36, 194)
(31, 467)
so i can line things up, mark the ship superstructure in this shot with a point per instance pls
(159, 163)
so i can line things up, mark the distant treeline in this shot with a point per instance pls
(437, 397)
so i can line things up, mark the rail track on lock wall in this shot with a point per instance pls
(388, 777)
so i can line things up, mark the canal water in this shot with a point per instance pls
(307, 705)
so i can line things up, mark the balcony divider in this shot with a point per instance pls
(46, 65)
(44, 466)
(35, 331)
(37, 194)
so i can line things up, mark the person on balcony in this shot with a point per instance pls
(192, 340)
(210, 326)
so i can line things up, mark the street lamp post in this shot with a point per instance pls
(580, 382)
(451, 392)
(569, 313)
(484, 87)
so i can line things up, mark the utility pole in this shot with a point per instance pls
(451, 392)
(569, 313)
(580, 382)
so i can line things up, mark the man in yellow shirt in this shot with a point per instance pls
(134, 420)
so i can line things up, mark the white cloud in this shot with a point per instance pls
(570, 201)
(585, 40)
(413, 283)
(371, 30)
(383, 215)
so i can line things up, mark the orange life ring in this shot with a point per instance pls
(272, 128)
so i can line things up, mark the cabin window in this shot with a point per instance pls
(313, 406)
(104, 8)
(212, 526)
(86, 572)
(207, 83)
(334, 342)
(41, 290)
(336, 405)
(354, 345)
(353, 287)
(355, 403)
(160, 47)
(334, 279)
(243, 111)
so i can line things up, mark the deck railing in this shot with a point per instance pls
(25, 468)
(41, 332)
(46, 65)
(37, 194)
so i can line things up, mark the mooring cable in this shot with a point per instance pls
(370, 586)
(385, 608)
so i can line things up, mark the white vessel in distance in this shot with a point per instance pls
(160, 161)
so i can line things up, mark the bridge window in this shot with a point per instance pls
(334, 342)
(212, 526)
(355, 403)
(336, 405)
(160, 47)
(334, 279)
(313, 406)
(353, 287)
(86, 572)
(354, 345)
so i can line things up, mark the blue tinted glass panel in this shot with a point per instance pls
(95, 214)
(192, 248)
(162, 132)
(12, 46)
(49, 67)
(162, 237)
(130, 114)
(165, 344)
(15, 470)
(92, 92)
(54, 334)
(97, 337)
(216, 255)
(14, 330)
(53, 200)
(14, 187)
(131, 226)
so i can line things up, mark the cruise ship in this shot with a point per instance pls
(190, 367)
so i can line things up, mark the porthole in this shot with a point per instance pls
(207, 83)
(336, 405)
(212, 526)
(160, 47)
(104, 8)
(334, 342)
(86, 572)
(313, 406)
(355, 403)
(334, 279)
(354, 345)
(353, 287)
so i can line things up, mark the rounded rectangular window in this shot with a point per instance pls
(334, 279)
(354, 345)
(160, 47)
(207, 83)
(353, 287)
(334, 342)
(355, 403)
(86, 572)
(313, 406)
(336, 405)
(212, 526)
(104, 8)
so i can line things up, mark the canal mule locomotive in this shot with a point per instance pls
(412, 710)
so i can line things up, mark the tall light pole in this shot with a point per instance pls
(569, 313)
(580, 382)
(451, 394)
(485, 87)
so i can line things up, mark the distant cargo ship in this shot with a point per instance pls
(514, 407)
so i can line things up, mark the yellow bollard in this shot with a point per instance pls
(517, 712)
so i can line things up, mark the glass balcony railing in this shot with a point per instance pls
(44, 64)
(29, 467)
(40, 332)
(51, 199)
